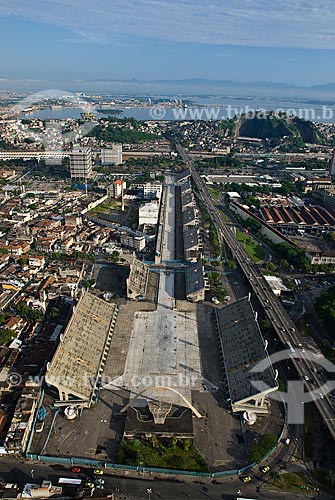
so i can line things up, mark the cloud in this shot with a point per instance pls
(297, 23)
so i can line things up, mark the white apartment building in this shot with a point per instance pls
(152, 190)
(134, 242)
(112, 155)
(81, 163)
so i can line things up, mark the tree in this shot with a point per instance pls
(154, 441)
(6, 335)
(265, 325)
(261, 447)
(54, 311)
(173, 441)
(89, 283)
(231, 264)
(28, 313)
(325, 306)
(23, 261)
(187, 444)
(328, 236)
(253, 224)
(115, 256)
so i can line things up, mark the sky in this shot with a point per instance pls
(59, 41)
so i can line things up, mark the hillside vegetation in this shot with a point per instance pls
(272, 126)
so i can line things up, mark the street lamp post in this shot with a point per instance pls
(149, 491)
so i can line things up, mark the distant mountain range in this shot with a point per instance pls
(220, 87)
(190, 86)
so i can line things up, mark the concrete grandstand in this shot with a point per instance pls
(243, 347)
(78, 364)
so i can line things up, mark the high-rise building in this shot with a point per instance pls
(81, 163)
(112, 156)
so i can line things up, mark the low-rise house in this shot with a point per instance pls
(20, 427)
(44, 244)
(36, 261)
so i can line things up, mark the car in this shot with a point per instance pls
(98, 472)
(300, 360)
(89, 485)
(246, 479)
(292, 329)
(265, 469)
(76, 470)
(306, 378)
(321, 396)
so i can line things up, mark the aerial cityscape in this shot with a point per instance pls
(167, 250)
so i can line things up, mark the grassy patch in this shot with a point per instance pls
(281, 386)
(255, 251)
(225, 216)
(215, 192)
(158, 453)
(292, 482)
(262, 446)
(105, 207)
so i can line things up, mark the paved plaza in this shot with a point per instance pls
(163, 350)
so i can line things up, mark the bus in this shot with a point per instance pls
(243, 498)
(70, 481)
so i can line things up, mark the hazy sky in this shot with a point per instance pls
(243, 40)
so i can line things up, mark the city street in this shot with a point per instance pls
(16, 471)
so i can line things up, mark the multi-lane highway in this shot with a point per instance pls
(306, 364)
